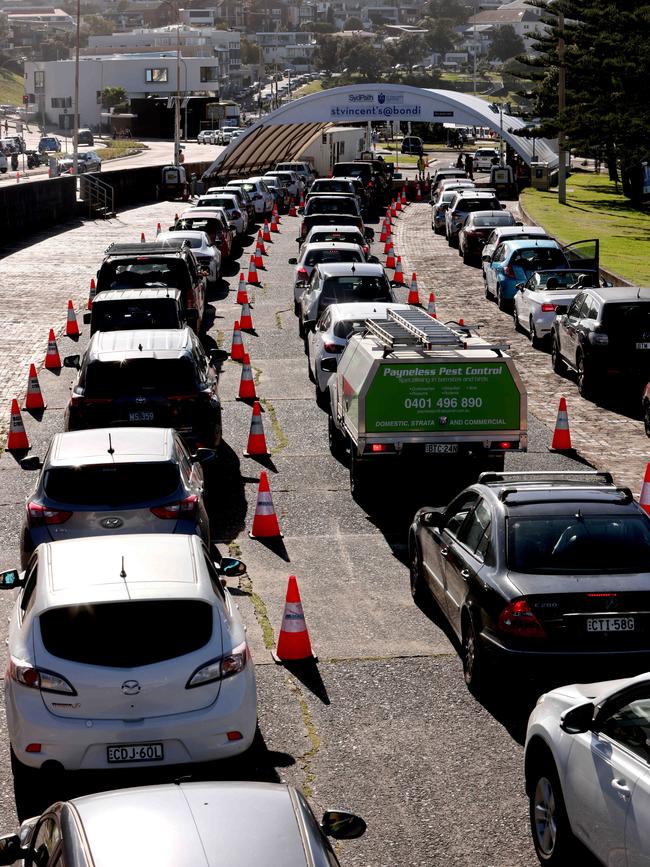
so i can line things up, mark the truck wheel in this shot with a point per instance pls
(357, 473)
(336, 439)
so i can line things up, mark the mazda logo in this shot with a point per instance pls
(141, 400)
(111, 523)
(130, 687)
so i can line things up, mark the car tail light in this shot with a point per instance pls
(548, 308)
(235, 215)
(517, 619)
(40, 516)
(502, 444)
(182, 509)
(219, 669)
(508, 270)
(302, 274)
(366, 249)
(333, 347)
(38, 678)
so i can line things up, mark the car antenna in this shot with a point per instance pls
(111, 450)
(123, 572)
(140, 347)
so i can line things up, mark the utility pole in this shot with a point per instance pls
(177, 101)
(75, 132)
(561, 93)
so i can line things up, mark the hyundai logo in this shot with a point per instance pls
(111, 523)
(130, 687)
(141, 400)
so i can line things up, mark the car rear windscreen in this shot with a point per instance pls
(633, 317)
(579, 544)
(339, 290)
(145, 273)
(340, 205)
(217, 202)
(314, 257)
(127, 634)
(331, 186)
(504, 219)
(139, 376)
(469, 205)
(539, 258)
(129, 315)
(112, 484)
(325, 237)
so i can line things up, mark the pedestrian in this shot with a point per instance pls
(459, 161)
(421, 164)
(6, 127)
(469, 166)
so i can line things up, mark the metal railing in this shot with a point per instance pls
(97, 195)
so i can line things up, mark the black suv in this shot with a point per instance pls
(144, 266)
(544, 574)
(157, 377)
(604, 332)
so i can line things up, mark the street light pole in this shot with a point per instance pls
(177, 101)
(75, 132)
(561, 54)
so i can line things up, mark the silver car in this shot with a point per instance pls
(206, 253)
(109, 481)
(314, 254)
(184, 825)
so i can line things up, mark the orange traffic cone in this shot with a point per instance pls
(431, 306)
(176, 218)
(388, 243)
(292, 208)
(142, 238)
(404, 199)
(256, 439)
(418, 192)
(393, 209)
(245, 319)
(301, 203)
(252, 272)
(293, 642)
(390, 258)
(561, 441)
(384, 230)
(247, 383)
(157, 229)
(237, 345)
(398, 204)
(71, 326)
(33, 395)
(242, 294)
(52, 357)
(91, 294)
(265, 521)
(398, 276)
(260, 242)
(259, 261)
(644, 499)
(274, 223)
(414, 295)
(17, 440)
(266, 233)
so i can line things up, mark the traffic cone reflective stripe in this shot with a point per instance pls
(398, 276)
(256, 439)
(259, 261)
(247, 383)
(561, 435)
(414, 295)
(33, 395)
(388, 243)
(390, 258)
(265, 521)
(384, 230)
(274, 224)
(293, 641)
(404, 199)
(398, 204)
(292, 208)
(71, 326)
(644, 500)
(266, 233)
(242, 294)
(431, 306)
(17, 439)
(237, 345)
(418, 192)
(252, 272)
(52, 357)
(157, 229)
(260, 242)
(91, 294)
(245, 319)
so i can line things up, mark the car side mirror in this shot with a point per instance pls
(72, 361)
(217, 356)
(86, 317)
(486, 258)
(292, 261)
(329, 364)
(341, 825)
(171, 228)
(561, 309)
(31, 462)
(396, 283)
(518, 223)
(204, 456)
(503, 206)
(10, 849)
(520, 287)
(578, 719)
(231, 567)
(373, 259)
(433, 518)
(369, 233)
(9, 579)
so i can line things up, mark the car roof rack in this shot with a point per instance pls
(145, 249)
(490, 478)
(413, 328)
(624, 495)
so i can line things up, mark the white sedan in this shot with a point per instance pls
(588, 773)
(330, 337)
(237, 218)
(206, 136)
(537, 300)
(314, 254)
(207, 254)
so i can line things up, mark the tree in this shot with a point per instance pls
(506, 43)
(353, 23)
(407, 50)
(326, 55)
(456, 11)
(358, 56)
(440, 36)
(112, 96)
(317, 27)
(250, 53)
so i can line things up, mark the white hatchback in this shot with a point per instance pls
(237, 217)
(126, 651)
(588, 773)
(207, 254)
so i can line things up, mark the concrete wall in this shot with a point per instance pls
(30, 207)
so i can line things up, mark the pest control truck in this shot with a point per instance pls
(411, 387)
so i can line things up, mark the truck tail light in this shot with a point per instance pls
(378, 448)
(182, 509)
(517, 619)
(41, 516)
(502, 444)
(548, 308)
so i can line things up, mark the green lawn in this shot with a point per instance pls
(12, 88)
(595, 210)
(313, 87)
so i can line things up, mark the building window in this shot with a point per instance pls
(209, 73)
(98, 97)
(61, 102)
(39, 79)
(157, 75)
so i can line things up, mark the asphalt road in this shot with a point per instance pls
(383, 724)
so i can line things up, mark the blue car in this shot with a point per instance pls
(513, 262)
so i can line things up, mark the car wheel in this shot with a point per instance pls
(535, 341)
(460, 252)
(552, 836)
(586, 385)
(556, 358)
(28, 789)
(418, 586)
(474, 665)
(646, 417)
(322, 398)
(515, 319)
(301, 327)
(309, 370)
(467, 259)
(336, 439)
(488, 294)
(502, 303)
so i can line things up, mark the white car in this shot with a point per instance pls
(330, 337)
(126, 651)
(538, 298)
(337, 235)
(206, 136)
(291, 180)
(314, 254)
(484, 159)
(237, 217)
(588, 773)
(304, 170)
(206, 253)
(262, 197)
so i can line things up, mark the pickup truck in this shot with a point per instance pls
(412, 388)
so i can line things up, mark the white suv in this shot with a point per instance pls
(126, 651)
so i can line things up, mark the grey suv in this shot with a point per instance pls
(116, 480)
(463, 204)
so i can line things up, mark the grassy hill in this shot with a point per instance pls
(11, 87)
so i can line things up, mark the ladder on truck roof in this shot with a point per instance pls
(413, 328)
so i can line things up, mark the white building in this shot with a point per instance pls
(152, 74)
(286, 49)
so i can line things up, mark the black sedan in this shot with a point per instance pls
(476, 229)
(539, 572)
